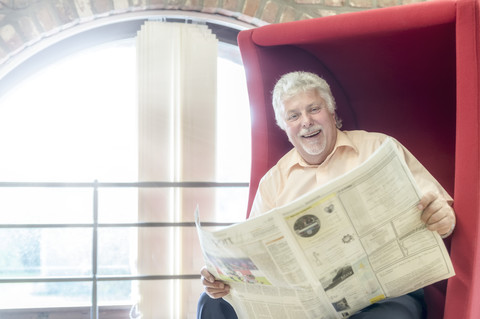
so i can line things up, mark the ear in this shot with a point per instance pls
(338, 120)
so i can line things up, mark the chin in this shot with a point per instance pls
(314, 151)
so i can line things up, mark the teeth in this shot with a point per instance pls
(311, 134)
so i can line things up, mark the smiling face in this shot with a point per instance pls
(310, 127)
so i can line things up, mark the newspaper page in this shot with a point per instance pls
(353, 242)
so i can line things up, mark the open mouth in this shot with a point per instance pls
(312, 134)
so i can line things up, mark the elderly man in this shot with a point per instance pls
(305, 110)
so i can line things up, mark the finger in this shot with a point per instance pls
(216, 284)
(440, 225)
(426, 200)
(217, 293)
(442, 221)
(441, 228)
(207, 275)
(225, 289)
(435, 211)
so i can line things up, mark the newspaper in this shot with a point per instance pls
(351, 243)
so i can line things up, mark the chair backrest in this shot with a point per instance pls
(409, 71)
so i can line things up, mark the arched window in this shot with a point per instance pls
(69, 231)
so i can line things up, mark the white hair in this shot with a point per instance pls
(293, 83)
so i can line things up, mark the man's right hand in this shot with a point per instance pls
(214, 288)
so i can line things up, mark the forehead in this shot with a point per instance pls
(303, 99)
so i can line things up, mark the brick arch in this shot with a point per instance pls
(27, 24)
(24, 32)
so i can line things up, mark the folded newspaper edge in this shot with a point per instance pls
(348, 244)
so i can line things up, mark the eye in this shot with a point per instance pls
(315, 109)
(292, 117)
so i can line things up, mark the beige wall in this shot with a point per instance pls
(26, 24)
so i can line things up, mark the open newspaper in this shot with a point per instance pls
(353, 242)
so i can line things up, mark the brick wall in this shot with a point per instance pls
(25, 23)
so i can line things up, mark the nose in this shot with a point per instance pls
(306, 120)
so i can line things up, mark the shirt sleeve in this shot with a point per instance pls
(264, 200)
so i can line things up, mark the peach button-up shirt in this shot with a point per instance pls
(292, 177)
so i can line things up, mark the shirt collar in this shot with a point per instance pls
(294, 158)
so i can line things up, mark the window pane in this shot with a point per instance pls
(186, 292)
(216, 204)
(173, 251)
(42, 295)
(118, 205)
(45, 252)
(20, 254)
(169, 251)
(104, 312)
(231, 206)
(116, 293)
(46, 205)
(78, 123)
(117, 251)
(191, 291)
(72, 125)
(233, 124)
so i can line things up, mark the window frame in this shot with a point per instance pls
(48, 52)
(95, 278)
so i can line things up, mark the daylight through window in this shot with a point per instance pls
(69, 186)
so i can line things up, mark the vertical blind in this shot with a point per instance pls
(177, 70)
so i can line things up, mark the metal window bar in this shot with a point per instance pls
(94, 309)
(95, 278)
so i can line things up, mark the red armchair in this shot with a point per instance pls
(409, 71)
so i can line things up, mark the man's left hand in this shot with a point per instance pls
(437, 214)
